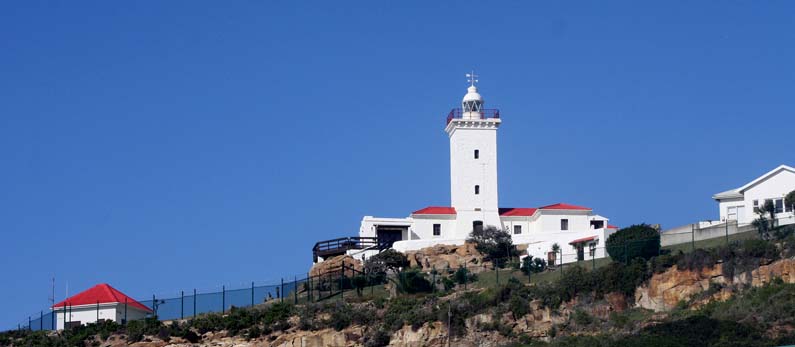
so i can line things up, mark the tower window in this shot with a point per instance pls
(517, 229)
(477, 225)
(477, 189)
(437, 229)
(477, 153)
(564, 224)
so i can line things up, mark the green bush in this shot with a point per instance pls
(582, 318)
(414, 281)
(640, 240)
(494, 243)
(463, 276)
(533, 265)
(137, 329)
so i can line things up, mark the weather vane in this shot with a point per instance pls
(472, 78)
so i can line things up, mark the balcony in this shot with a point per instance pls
(458, 113)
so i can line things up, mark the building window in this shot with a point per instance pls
(477, 154)
(779, 205)
(592, 249)
(756, 206)
(477, 225)
(564, 224)
(437, 229)
(477, 189)
(517, 229)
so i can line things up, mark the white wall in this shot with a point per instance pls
(88, 314)
(774, 187)
(423, 227)
(466, 172)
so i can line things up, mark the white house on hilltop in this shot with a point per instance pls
(474, 203)
(741, 203)
(100, 302)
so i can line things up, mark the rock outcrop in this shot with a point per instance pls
(333, 265)
(664, 291)
(441, 257)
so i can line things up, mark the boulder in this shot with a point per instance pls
(333, 265)
(441, 257)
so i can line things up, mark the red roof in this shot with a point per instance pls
(102, 294)
(562, 206)
(522, 211)
(584, 239)
(612, 227)
(435, 210)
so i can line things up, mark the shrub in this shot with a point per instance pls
(697, 260)
(376, 338)
(582, 318)
(448, 283)
(414, 281)
(533, 265)
(388, 260)
(640, 240)
(494, 243)
(137, 329)
(463, 275)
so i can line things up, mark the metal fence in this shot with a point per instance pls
(193, 303)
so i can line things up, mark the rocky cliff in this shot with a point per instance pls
(664, 291)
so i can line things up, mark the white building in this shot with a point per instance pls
(100, 302)
(741, 203)
(474, 203)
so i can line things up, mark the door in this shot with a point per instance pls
(477, 225)
(580, 252)
(741, 214)
(386, 237)
(731, 213)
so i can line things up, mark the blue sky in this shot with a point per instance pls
(162, 147)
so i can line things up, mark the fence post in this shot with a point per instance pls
(41, 320)
(466, 275)
(727, 233)
(692, 237)
(181, 304)
(342, 275)
(223, 299)
(280, 292)
(125, 311)
(295, 290)
(52, 320)
(593, 258)
(309, 287)
(252, 293)
(97, 310)
(30, 328)
(497, 271)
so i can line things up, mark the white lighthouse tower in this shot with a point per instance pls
(473, 162)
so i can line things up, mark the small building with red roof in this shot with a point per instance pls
(474, 204)
(100, 302)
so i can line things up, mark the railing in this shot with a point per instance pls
(458, 113)
(341, 245)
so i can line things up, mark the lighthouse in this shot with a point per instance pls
(474, 204)
(473, 162)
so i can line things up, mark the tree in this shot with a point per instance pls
(555, 250)
(494, 243)
(388, 260)
(790, 201)
(639, 240)
(763, 224)
(533, 265)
